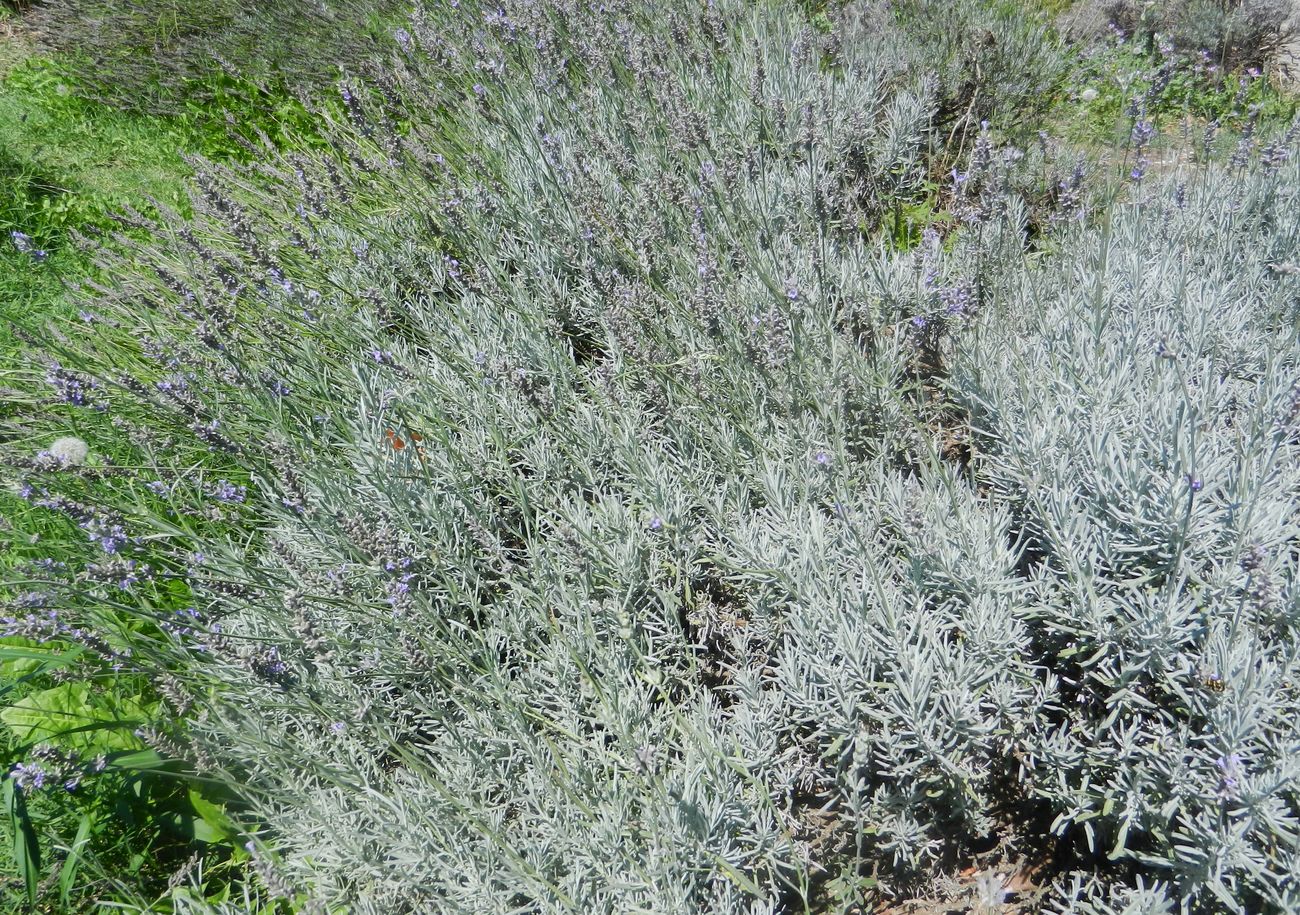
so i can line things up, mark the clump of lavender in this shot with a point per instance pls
(51, 625)
(1069, 195)
(1291, 412)
(107, 534)
(49, 767)
(269, 666)
(899, 598)
(1231, 772)
(1260, 590)
(74, 388)
(1140, 142)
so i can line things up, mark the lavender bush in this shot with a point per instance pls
(1138, 420)
(1232, 33)
(614, 520)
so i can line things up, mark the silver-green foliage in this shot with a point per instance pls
(1138, 416)
(1234, 33)
(606, 549)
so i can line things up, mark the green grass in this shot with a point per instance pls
(1120, 74)
(65, 166)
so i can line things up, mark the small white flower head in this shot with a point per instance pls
(1088, 95)
(69, 450)
(990, 892)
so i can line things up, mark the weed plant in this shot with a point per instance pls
(1114, 78)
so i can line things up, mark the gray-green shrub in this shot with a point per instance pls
(1233, 33)
(610, 544)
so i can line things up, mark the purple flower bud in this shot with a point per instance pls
(271, 667)
(228, 492)
(1231, 771)
(110, 537)
(28, 776)
(23, 245)
(71, 388)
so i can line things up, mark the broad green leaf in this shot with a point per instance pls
(139, 761)
(23, 657)
(72, 715)
(218, 826)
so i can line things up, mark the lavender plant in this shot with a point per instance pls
(1155, 498)
(617, 522)
(1231, 33)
